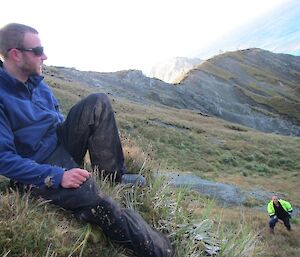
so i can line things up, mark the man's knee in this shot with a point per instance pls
(287, 223)
(272, 222)
(98, 98)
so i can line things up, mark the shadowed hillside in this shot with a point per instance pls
(252, 87)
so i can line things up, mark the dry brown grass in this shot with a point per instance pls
(281, 244)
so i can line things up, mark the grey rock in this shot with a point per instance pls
(225, 194)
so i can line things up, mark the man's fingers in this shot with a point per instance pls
(83, 173)
(79, 174)
(73, 178)
(79, 177)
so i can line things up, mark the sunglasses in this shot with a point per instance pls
(37, 51)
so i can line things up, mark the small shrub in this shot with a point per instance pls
(286, 162)
(245, 173)
(235, 127)
(249, 166)
(262, 168)
(228, 159)
(249, 158)
(260, 157)
(274, 162)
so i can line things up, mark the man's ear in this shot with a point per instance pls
(14, 54)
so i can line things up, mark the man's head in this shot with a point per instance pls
(21, 49)
(12, 36)
(275, 199)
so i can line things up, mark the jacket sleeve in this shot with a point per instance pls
(270, 209)
(26, 171)
(286, 205)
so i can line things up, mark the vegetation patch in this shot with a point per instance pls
(235, 127)
(278, 103)
(218, 72)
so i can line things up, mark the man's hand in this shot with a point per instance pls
(73, 178)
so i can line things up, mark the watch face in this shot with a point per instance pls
(49, 181)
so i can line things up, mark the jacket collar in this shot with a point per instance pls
(34, 79)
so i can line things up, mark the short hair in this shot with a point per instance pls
(12, 36)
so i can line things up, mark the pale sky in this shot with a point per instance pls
(115, 35)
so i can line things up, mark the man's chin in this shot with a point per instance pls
(37, 72)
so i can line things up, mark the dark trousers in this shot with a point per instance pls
(286, 222)
(90, 125)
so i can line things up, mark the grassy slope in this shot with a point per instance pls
(221, 151)
(186, 141)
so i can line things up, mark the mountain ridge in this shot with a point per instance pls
(258, 89)
(252, 87)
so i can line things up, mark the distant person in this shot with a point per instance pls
(39, 148)
(279, 211)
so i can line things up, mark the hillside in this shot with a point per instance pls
(158, 137)
(253, 87)
(187, 141)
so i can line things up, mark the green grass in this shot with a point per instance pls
(278, 103)
(168, 139)
(216, 71)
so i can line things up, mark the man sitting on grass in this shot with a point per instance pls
(41, 149)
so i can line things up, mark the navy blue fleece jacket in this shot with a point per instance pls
(29, 116)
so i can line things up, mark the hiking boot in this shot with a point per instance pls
(133, 179)
(272, 230)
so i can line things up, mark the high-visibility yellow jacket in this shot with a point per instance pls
(286, 206)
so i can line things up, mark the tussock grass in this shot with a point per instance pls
(136, 160)
(31, 227)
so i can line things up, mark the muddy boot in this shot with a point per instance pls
(272, 231)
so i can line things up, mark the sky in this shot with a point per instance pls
(114, 35)
(277, 31)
